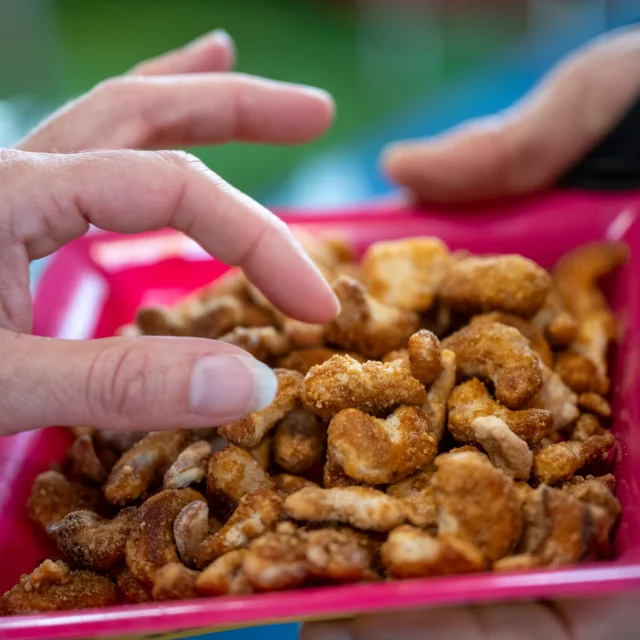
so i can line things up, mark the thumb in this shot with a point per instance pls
(531, 145)
(145, 383)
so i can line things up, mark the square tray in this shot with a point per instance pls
(95, 284)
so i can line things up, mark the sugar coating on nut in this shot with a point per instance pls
(360, 507)
(299, 442)
(439, 393)
(501, 355)
(417, 497)
(381, 451)
(174, 581)
(225, 576)
(412, 553)
(555, 396)
(143, 464)
(471, 400)
(249, 431)
(366, 325)
(424, 356)
(262, 343)
(373, 387)
(510, 283)
(189, 467)
(477, 503)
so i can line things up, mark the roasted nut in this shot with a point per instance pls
(558, 462)
(160, 321)
(333, 475)
(249, 431)
(84, 462)
(189, 467)
(91, 542)
(255, 514)
(439, 393)
(261, 453)
(405, 273)
(373, 387)
(504, 448)
(174, 581)
(580, 374)
(412, 553)
(518, 562)
(360, 507)
(233, 473)
(151, 543)
(471, 400)
(299, 442)
(510, 283)
(558, 527)
(536, 340)
(302, 360)
(576, 275)
(417, 497)
(141, 466)
(555, 322)
(118, 441)
(381, 451)
(302, 335)
(424, 356)
(587, 425)
(501, 355)
(366, 325)
(225, 576)
(596, 492)
(53, 497)
(595, 404)
(556, 397)
(54, 587)
(263, 343)
(477, 502)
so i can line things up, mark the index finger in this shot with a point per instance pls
(135, 191)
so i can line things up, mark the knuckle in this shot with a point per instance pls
(184, 160)
(120, 383)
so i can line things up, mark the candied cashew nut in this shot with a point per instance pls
(360, 507)
(142, 465)
(504, 448)
(255, 514)
(526, 328)
(500, 354)
(263, 343)
(225, 576)
(405, 273)
(518, 562)
(84, 462)
(412, 553)
(91, 542)
(558, 527)
(509, 283)
(381, 451)
(577, 274)
(373, 387)
(556, 397)
(587, 425)
(439, 393)
(232, 473)
(303, 359)
(53, 497)
(303, 335)
(174, 581)
(151, 544)
(54, 587)
(424, 356)
(417, 497)
(299, 442)
(189, 467)
(596, 492)
(594, 403)
(580, 374)
(471, 400)
(249, 431)
(366, 325)
(261, 453)
(555, 322)
(559, 462)
(477, 502)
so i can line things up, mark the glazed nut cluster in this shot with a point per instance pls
(452, 419)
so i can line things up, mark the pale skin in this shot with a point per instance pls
(79, 168)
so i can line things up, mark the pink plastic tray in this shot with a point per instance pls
(95, 284)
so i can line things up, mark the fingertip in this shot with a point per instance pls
(316, 111)
(227, 48)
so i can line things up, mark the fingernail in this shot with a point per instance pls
(228, 386)
(222, 36)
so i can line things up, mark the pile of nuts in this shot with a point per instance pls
(451, 419)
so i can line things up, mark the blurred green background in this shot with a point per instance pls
(374, 57)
